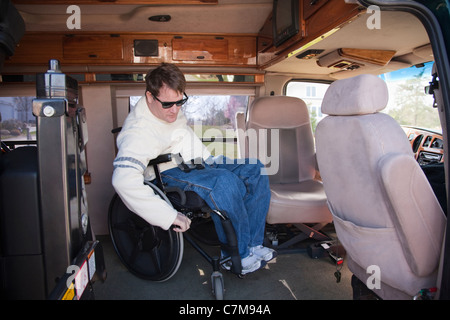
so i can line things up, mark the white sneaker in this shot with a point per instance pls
(263, 253)
(250, 264)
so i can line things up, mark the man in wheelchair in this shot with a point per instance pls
(238, 188)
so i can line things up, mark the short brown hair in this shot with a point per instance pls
(166, 74)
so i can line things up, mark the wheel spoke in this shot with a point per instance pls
(147, 251)
(155, 255)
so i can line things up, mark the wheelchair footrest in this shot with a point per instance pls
(227, 264)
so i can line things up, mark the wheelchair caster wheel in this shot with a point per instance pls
(217, 285)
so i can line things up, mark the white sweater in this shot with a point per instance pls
(144, 137)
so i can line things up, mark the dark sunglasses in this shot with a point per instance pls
(169, 104)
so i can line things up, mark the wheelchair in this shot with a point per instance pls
(154, 254)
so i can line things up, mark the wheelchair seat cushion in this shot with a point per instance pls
(191, 200)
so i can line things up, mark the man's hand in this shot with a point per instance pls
(181, 223)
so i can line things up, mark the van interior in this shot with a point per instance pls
(233, 53)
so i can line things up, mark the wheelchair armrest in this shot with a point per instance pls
(154, 162)
(161, 159)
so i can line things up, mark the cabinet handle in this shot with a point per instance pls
(313, 2)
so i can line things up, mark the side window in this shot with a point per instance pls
(212, 117)
(18, 124)
(312, 93)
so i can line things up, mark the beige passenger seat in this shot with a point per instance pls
(384, 210)
(281, 128)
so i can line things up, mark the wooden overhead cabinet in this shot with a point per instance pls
(316, 17)
(214, 50)
(124, 49)
(91, 48)
(200, 49)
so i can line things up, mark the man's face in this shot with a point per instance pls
(165, 95)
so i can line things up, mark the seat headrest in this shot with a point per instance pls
(363, 94)
(278, 112)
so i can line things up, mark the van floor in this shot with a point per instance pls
(292, 275)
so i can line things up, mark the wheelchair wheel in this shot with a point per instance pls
(147, 251)
(217, 285)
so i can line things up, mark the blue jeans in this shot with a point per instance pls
(232, 186)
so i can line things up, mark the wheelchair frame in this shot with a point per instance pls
(155, 254)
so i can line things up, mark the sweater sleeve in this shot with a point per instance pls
(141, 199)
(128, 180)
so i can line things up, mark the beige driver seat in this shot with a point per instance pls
(384, 210)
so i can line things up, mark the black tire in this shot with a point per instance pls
(147, 251)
